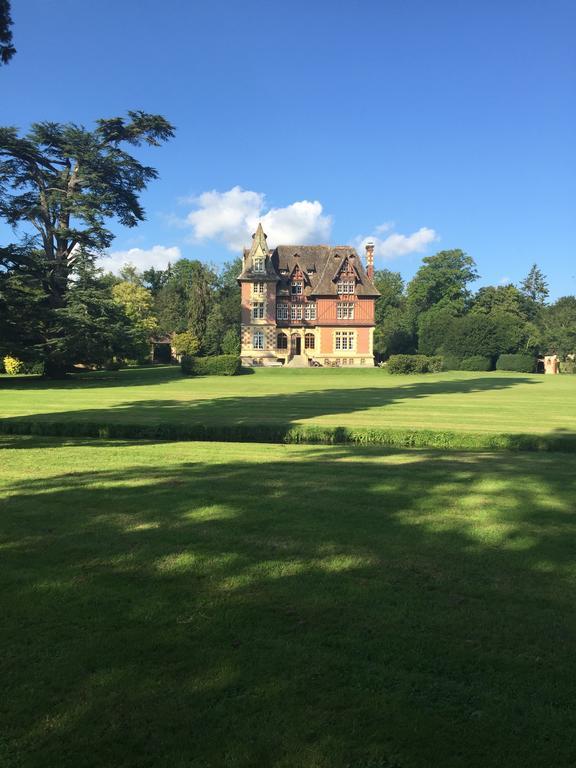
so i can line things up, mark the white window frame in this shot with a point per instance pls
(282, 312)
(259, 263)
(296, 312)
(296, 287)
(258, 310)
(310, 311)
(259, 287)
(344, 341)
(258, 340)
(345, 310)
(346, 287)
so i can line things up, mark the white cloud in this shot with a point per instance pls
(504, 280)
(158, 256)
(395, 245)
(232, 216)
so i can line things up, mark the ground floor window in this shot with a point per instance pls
(344, 340)
(309, 341)
(282, 312)
(258, 340)
(282, 341)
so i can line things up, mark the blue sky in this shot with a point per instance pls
(424, 125)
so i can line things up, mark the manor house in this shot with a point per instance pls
(307, 304)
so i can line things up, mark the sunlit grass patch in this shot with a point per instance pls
(210, 604)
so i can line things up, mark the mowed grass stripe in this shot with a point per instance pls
(489, 404)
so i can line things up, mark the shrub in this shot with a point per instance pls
(568, 366)
(185, 343)
(231, 342)
(414, 364)
(451, 363)
(13, 366)
(476, 363)
(217, 365)
(520, 363)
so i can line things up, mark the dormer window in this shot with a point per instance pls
(346, 287)
(259, 264)
(296, 287)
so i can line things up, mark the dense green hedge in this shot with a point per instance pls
(218, 365)
(519, 363)
(568, 366)
(414, 364)
(476, 363)
(282, 433)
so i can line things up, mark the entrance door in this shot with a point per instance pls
(296, 345)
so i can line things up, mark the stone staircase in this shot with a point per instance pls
(297, 361)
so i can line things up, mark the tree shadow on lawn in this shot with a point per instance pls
(126, 377)
(415, 611)
(280, 409)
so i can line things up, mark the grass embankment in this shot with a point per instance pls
(458, 410)
(213, 605)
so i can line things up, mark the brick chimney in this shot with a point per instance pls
(370, 259)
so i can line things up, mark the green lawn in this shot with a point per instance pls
(185, 605)
(475, 402)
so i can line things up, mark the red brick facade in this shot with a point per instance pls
(313, 302)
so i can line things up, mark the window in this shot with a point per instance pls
(345, 310)
(309, 341)
(258, 340)
(282, 341)
(282, 311)
(296, 312)
(259, 264)
(257, 310)
(344, 340)
(259, 287)
(310, 311)
(296, 287)
(346, 286)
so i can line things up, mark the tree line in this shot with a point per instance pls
(61, 186)
(437, 313)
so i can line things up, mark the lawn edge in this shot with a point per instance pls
(293, 435)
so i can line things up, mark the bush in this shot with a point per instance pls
(414, 364)
(476, 363)
(217, 365)
(231, 342)
(568, 366)
(185, 343)
(451, 363)
(13, 366)
(519, 363)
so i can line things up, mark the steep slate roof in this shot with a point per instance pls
(321, 265)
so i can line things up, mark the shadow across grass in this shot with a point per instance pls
(315, 612)
(278, 418)
(125, 377)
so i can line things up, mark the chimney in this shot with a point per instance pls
(370, 259)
